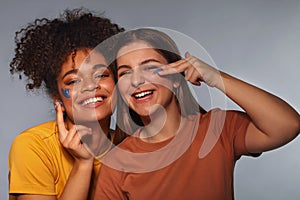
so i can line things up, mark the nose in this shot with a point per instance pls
(137, 78)
(89, 85)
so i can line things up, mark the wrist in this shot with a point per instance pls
(219, 81)
(84, 163)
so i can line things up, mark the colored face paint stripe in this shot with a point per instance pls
(66, 92)
(157, 70)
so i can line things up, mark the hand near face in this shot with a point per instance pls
(196, 71)
(71, 139)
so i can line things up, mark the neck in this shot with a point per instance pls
(162, 124)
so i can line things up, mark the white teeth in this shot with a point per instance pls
(142, 94)
(92, 100)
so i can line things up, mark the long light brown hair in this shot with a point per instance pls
(127, 119)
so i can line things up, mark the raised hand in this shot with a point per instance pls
(196, 71)
(71, 138)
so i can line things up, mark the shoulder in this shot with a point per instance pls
(36, 134)
(228, 115)
(228, 123)
(35, 143)
(226, 128)
(42, 131)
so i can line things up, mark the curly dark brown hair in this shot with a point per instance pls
(43, 46)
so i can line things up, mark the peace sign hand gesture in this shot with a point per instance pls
(196, 71)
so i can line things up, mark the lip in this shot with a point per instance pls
(142, 96)
(92, 101)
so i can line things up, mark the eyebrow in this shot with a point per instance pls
(142, 63)
(75, 71)
(72, 71)
(97, 66)
(149, 60)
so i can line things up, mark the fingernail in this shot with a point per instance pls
(58, 103)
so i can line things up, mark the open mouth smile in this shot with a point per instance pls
(142, 94)
(92, 100)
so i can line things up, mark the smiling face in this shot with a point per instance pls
(86, 87)
(139, 85)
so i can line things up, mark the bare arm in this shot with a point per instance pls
(36, 197)
(273, 121)
(78, 183)
(77, 186)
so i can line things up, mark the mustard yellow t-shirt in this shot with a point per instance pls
(38, 164)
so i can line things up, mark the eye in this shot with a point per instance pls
(101, 75)
(72, 81)
(150, 67)
(125, 72)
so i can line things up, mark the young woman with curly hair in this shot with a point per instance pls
(58, 159)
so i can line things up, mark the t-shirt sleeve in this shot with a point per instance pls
(109, 184)
(238, 124)
(30, 167)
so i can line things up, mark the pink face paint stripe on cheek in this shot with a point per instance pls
(66, 92)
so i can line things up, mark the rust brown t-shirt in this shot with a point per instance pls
(197, 163)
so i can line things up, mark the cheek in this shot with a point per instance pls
(123, 85)
(160, 81)
(108, 86)
(66, 92)
(123, 91)
(66, 95)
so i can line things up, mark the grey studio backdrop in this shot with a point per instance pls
(257, 41)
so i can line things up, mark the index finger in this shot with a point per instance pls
(174, 68)
(62, 131)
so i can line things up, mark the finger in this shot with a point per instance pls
(178, 62)
(189, 73)
(77, 145)
(75, 142)
(174, 68)
(166, 70)
(62, 131)
(69, 137)
(83, 130)
(195, 79)
(88, 149)
(187, 54)
(192, 59)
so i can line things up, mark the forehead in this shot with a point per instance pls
(83, 59)
(137, 52)
(133, 46)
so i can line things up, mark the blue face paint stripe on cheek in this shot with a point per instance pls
(157, 70)
(66, 92)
